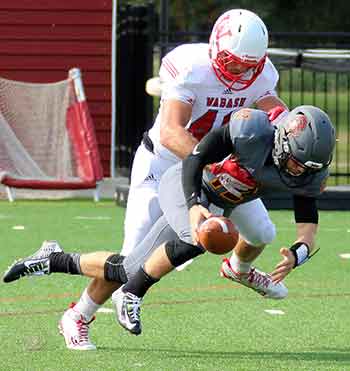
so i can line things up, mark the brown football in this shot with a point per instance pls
(218, 235)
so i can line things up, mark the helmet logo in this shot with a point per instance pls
(243, 114)
(297, 125)
(222, 29)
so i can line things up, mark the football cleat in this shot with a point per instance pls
(75, 330)
(258, 281)
(34, 265)
(127, 306)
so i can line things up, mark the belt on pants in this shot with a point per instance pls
(147, 142)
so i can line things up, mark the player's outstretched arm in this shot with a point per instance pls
(298, 254)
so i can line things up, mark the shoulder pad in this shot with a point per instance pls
(187, 63)
(269, 76)
(249, 124)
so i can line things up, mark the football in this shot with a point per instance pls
(218, 235)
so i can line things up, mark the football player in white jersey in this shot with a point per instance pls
(202, 84)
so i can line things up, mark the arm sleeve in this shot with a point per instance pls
(214, 147)
(305, 209)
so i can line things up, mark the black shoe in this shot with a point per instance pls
(127, 306)
(34, 265)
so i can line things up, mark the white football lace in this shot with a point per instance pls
(133, 307)
(45, 250)
(83, 331)
(258, 279)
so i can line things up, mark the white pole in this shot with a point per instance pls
(10, 194)
(114, 91)
(96, 192)
(75, 75)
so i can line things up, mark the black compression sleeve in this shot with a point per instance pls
(305, 209)
(214, 147)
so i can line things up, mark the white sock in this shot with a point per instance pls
(86, 306)
(239, 266)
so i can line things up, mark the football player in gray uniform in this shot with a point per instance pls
(231, 168)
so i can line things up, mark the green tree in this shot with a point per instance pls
(279, 15)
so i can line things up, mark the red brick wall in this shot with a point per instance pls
(41, 40)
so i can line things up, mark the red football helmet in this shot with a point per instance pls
(237, 48)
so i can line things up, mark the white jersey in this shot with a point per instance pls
(187, 75)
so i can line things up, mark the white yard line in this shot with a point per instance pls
(18, 227)
(93, 217)
(274, 312)
(105, 310)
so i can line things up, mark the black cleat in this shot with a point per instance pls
(34, 265)
(127, 306)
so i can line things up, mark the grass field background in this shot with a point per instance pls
(192, 320)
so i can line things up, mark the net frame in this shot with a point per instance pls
(83, 148)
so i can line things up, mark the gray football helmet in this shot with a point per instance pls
(307, 137)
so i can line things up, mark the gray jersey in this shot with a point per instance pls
(251, 168)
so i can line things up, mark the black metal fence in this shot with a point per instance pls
(134, 108)
(321, 79)
(166, 40)
(306, 77)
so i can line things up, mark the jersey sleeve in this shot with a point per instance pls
(305, 209)
(214, 147)
(269, 79)
(174, 75)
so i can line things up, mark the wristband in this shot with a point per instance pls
(301, 254)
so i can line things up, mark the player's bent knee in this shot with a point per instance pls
(269, 233)
(263, 235)
(180, 252)
(114, 269)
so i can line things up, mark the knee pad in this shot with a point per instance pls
(269, 233)
(179, 251)
(114, 269)
(263, 234)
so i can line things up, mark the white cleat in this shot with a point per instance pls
(75, 330)
(258, 281)
(128, 308)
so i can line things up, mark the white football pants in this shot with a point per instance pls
(143, 208)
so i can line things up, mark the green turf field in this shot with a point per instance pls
(192, 320)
